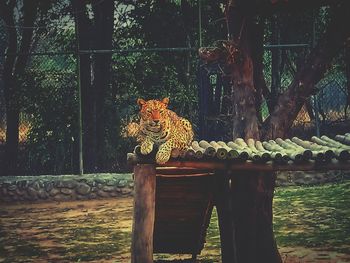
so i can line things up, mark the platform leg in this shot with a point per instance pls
(144, 213)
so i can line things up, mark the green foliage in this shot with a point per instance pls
(49, 99)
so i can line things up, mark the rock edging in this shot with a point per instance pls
(64, 187)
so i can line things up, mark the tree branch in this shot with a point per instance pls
(290, 102)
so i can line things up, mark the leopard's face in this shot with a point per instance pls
(154, 113)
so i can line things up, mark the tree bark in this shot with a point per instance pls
(84, 27)
(13, 70)
(104, 21)
(290, 102)
(275, 64)
(244, 117)
(251, 199)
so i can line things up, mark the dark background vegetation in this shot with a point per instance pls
(39, 75)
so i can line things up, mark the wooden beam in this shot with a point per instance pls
(144, 213)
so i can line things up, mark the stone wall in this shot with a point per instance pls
(93, 186)
(64, 187)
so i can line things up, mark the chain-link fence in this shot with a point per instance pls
(49, 100)
(325, 112)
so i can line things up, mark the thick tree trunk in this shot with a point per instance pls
(84, 27)
(104, 21)
(252, 196)
(257, 36)
(291, 101)
(275, 64)
(244, 117)
(13, 70)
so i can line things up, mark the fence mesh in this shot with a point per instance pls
(48, 129)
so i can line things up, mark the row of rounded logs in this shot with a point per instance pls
(321, 149)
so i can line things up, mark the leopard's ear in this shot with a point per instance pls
(140, 102)
(165, 101)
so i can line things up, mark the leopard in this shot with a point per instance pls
(160, 127)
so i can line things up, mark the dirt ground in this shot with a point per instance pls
(100, 231)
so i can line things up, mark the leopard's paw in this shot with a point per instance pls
(162, 156)
(146, 148)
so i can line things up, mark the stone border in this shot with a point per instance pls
(96, 186)
(298, 178)
(64, 187)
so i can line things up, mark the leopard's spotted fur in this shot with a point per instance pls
(162, 127)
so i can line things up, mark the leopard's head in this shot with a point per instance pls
(153, 113)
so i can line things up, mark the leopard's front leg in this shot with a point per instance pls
(147, 146)
(164, 152)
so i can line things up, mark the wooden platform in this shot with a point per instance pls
(183, 209)
(173, 202)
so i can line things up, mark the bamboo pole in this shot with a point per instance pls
(221, 152)
(341, 153)
(335, 143)
(252, 155)
(231, 153)
(289, 150)
(319, 152)
(306, 152)
(277, 152)
(343, 139)
(263, 155)
(243, 155)
(209, 150)
(199, 151)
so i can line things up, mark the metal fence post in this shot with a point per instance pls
(80, 122)
(317, 119)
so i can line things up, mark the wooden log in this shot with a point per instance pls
(319, 152)
(223, 203)
(243, 154)
(252, 155)
(131, 158)
(257, 145)
(343, 139)
(296, 156)
(277, 152)
(175, 153)
(209, 150)
(144, 213)
(305, 152)
(221, 152)
(231, 153)
(199, 151)
(340, 153)
(191, 153)
(335, 143)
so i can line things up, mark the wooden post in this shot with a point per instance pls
(144, 213)
(223, 203)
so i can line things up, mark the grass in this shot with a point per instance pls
(315, 218)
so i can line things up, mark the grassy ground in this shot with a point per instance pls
(310, 223)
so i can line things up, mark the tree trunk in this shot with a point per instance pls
(275, 64)
(251, 197)
(244, 117)
(13, 70)
(290, 102)
(104, 21)
(84, 27)
(257, 36)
